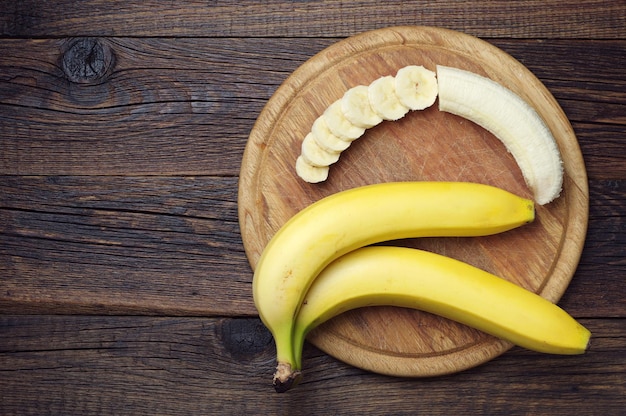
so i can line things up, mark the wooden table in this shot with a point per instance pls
(124, 285)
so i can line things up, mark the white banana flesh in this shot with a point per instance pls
(350, 219)
(327, 140)
(383, 99)
(416, 87)
(481, 100)
(356, 106)
(314, 155)
(310, 173)
(363, 107)
(411, 278)
(339, 125)
(512, 120)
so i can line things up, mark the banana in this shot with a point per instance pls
(350, 219)
(339, 125)
(355, 105)
(310, 173)
(463, 93)
(314, 155)
(325, 139)
(416, 87)
(383, 99)
(512, 120)
(437, 284)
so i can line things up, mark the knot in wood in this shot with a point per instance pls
(245, 338)
(87, 60)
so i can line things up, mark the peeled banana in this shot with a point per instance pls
(315, 155)
(339, 125)
(310, 173)
(356, 106)
(411, 278)
(463, 93)
(360, 108)
(416, 87)
(384, 100)
(350, 219)
(512, 120)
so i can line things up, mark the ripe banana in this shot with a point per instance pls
(356, 106)
(416, 87)
(411, 278)
(512, 120)
(314, 155)
(350, 219)
(383, 99)
(325, 139)
(339, 125)
(466, 94)
(310, 173)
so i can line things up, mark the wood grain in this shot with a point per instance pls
(595, 19)
(78, 244)
(424, 145)
(183, 366)
(186, 106)
(118, 193)
(122, 245)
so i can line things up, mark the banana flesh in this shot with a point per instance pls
(315, 155)
(512, 120)
(383, 99)
(310, 173)
(325, 139)
(463, 93)
(350, 219)
(356, 106)
(411, 278)
(339, 125)
(416, 87)
(365, 106)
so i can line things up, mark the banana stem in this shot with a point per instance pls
(285, 378)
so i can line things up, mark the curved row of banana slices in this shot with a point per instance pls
(479, 99)
(362, 107)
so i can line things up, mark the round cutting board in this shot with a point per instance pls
(424, 145)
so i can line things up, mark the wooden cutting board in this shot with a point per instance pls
(424, 145)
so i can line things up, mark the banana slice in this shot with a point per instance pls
(416, 87)
(383, 99)
(356, 108)
(326, 139)
(339, 125)
(314, 155)
(309, 173)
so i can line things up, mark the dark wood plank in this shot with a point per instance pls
(101, 244)
(179, 366)
(186, 106)
(133, 116)
(545, 19)
(165, 106)
(122, 245)
(604, 252)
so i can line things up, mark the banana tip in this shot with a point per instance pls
(285, 378)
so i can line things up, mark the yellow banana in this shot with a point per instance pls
(350, 219)
(406, 277)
